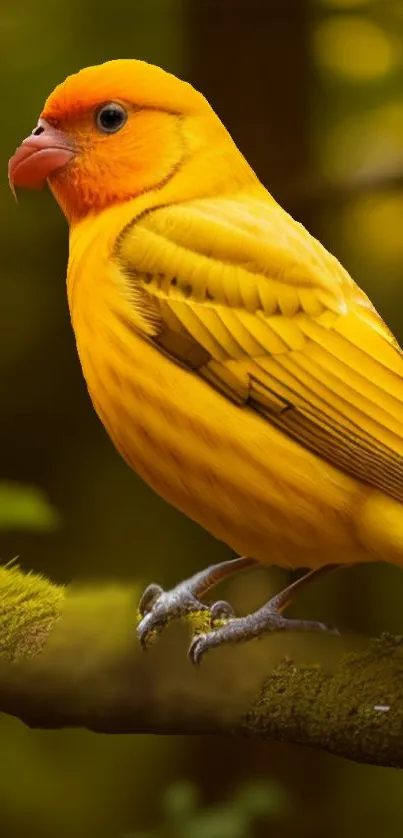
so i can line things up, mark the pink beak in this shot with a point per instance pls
(42, 153)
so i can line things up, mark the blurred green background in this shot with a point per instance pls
(313, 94)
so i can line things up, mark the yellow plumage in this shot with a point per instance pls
(244, 376)
(234, 362)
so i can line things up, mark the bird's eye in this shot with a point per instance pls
(111, 118)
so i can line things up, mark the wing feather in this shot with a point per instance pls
(244, 296)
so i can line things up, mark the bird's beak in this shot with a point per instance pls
(41, 154)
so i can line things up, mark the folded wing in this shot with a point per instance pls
(241, 294)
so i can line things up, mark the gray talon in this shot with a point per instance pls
(196, 649)
(149, 598)
(201, 644)
(146, 628)
(143, 633)
(159, 607)
(221, 610)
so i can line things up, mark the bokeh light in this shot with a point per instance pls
(345, 4)
(363, 142)
(374, 225)
(356, 47)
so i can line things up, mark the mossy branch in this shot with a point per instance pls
(69, 657)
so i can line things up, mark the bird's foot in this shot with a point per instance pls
(157, 607)
(266, 620)
(240, 629)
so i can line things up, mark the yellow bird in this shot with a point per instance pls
(235, 364)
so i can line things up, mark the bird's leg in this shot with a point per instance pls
(158, 607)
(265, 620)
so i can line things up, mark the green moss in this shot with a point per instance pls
(199, 622)
(356, 712)
(30, 607)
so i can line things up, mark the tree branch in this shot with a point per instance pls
(69, 657)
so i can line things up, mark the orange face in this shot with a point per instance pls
(107, 134)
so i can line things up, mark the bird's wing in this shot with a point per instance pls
(241, 294)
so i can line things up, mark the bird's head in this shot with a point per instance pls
(114, 131)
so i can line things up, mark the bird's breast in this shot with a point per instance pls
(220, 464)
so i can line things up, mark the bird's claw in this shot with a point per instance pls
(158, 608)
(149, 598)
(217, 624)
(241, 629)
(201, 644)
(221, 611)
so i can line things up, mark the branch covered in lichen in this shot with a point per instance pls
(356, 711)
(69, 657)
